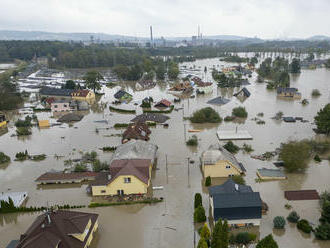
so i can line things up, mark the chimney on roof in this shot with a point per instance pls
(48, 217)
(109, 176)
(236, 186)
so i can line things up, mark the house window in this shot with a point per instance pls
(231, 175)
(55, 106)
(103, 191)
(65, 105)
(127, 180)
(227, 166)
(120, 192)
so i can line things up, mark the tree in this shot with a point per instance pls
(199, 214)
(267, 242)
(295, 66)
(208, 181)
(239, 179)
(295, 154)
(322, 232)
(202, 243)
(279, 222)
(92, 80)
(231, 147)
(304, 226)
(224, 236)
(239, 112)
(243, 238)
(173, 71)
(69, 84)
(327, 63)
(205, 232)
(322, 119)
(215, 240)
(198, 200)
(293, 217)
(205, 115)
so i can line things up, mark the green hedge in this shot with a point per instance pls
(133, 111)
(147, 201)
(109, 148)
(124, 125)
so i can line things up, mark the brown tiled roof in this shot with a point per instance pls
(139, 130)
(162, 103)
(301, 195)
(136, 167)
(55, 228)
(65, 176)
(80, 93)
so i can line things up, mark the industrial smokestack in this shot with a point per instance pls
(151, 38)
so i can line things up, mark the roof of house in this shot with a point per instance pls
(289, 119)
(120, 94)
(151, 117)
(80, 93)
(163, 102)
(138, 130)
(217, 153)
(50, 91)
(135, 167)
(245, 91)
(70, 118)
(229, 187)
(218, 101)
(135, 149)
(55, 229)
(50, 176)
(60, 101)
(13, 244)
(301, 195)
(237, 200)
(264, 172)
(286, 90)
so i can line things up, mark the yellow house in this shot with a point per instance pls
(83, 95)
(43, 123)
(126, 177)
(3, 122)
(218, 162)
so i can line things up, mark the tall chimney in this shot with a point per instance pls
(151, 38)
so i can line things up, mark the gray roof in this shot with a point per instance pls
(218, 101)
(237, 200)
(271, 172)
(135, 149)
(13, 244)
(287, 90)
(151, 117)
(70, 118)
(50, 91)
(216, 153)
(229, 187)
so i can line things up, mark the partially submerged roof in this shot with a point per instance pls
(50, 176)
(301, 195)
(155, 117)
(217, 153)
(264, 172)
(55, 229)
(80, 93)
(163, 103)
(70, 118)
(244, 91)
(229, 187)
(136, 149)
(50, 91)
(17, 197)
(138, 130)
(121, 93)
(218, 101)
(286, 90)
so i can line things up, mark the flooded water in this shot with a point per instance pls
(170, 223)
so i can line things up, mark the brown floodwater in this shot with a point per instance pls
(170, 223)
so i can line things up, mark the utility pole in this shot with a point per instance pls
(188, 172)
(184, 130)
(166, 169)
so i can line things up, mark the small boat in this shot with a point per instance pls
(194, 130)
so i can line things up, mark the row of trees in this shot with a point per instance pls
(9, 95)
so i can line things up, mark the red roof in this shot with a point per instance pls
(50, 100)
(301, 195)
(164, 102)
(80, 93)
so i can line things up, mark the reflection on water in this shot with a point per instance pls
(169, 224)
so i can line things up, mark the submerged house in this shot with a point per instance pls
(136, 131)
(51, 92)
(219, 101)
(83, 95)
(163, 104)
(288, 93)
(60, 229)
(126, 177)
(243, 93)
(60, 106)
(151, 117)
(145, 84)
(123, 96)
(218, 162)
(236, 203)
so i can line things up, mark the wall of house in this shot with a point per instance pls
(220, 170)
(3, 124)
(60, 107)
(89, 97)
(90, 238)
(136, 186)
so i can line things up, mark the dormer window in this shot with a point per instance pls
(127, 180)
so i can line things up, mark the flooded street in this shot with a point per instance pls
(170, 223)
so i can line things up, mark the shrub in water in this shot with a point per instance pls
(198, 200)
(279, 222)
(293, 217)
(304, 226)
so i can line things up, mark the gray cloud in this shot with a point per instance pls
(262, 18)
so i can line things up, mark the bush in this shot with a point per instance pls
(293, 217)
(231, 147)
(205, 232)
(109, 148)
(229, 118)
(128, 111)
(267, 242)
(239, 112)
(4, 158)
(322, 120)
(193, 141)
(22, 131)
(247, 148)
(205, 115)
(317, 158)
(24, 123)
(304, 226)
(202, 243)
(316, 93)
(100, 166)
(208, 181)
(295, 154)
(199, 214)
(80, 168)
(322, 232)
(242, 238)
(198, 200)
(38, 157)
(279, 222)
(239, 179)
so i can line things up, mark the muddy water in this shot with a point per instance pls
(169, 224)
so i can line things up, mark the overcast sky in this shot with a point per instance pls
(261, 18)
